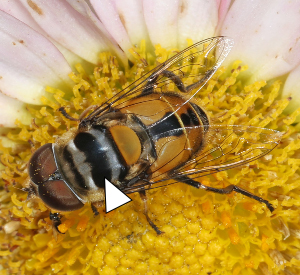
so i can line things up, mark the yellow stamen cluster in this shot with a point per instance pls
(204, 233)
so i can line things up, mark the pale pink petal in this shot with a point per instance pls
(108, 14)
(292, 89)
(132, 16)
(12, 109)
(68, 27)
(83, 8)
(161, 18)
(28, 62)
(17, 10)
(197, 20)
(223, 9)
(266, 36)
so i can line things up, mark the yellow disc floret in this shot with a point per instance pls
(204, 233)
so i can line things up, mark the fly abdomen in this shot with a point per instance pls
(173, 123)
(167, 126)
(177, 129)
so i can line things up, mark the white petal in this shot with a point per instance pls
(12, 109)
(68, 27)
(292, 89)
(162, 21)
(266, 36)
(28, 61)
(198, 20)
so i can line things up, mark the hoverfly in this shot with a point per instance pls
(148, 136)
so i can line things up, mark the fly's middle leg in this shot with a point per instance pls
(177, 81)
(144, 199)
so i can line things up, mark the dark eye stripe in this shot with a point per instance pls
(68, 156)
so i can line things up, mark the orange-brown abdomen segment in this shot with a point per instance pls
(127, 142)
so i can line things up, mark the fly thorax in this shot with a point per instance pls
(115, 149)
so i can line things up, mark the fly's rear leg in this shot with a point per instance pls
(227, 190)
(144, 199)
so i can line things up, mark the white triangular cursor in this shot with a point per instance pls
(114, 198)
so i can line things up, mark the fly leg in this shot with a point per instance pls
(95, 210)
(144, 199)
(82, 115)
(66, 115)
(173, 77)
(56, 220)
(226, 190)
(177, 81)
(85, 112)
(95, 206)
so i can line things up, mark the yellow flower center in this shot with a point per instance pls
(204, 233)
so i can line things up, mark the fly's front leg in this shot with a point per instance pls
(144, 199)
(95, 210)
(226, 190)
(56, 220)
(82, 115)
(85, 112)
(95, 206)
(66, 115)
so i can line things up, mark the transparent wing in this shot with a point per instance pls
(226, 147)
(193, 66)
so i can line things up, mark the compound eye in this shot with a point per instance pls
(57, 195)
(42, 164)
